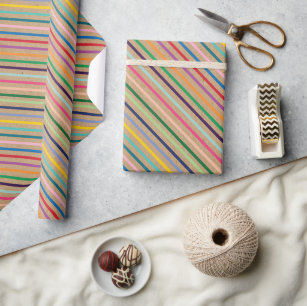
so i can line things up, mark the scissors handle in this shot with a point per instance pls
(237, 33)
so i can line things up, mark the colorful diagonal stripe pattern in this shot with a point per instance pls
(174, 117)
(24, 42)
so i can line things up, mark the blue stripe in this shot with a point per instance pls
(21, 150)
(21, 136)
(135, 157)
(24, 34)
(87, 114)
(125, 168)
(23, 108)
(55, 204)
(89, 37)
(158, 137)
(21, 115)
(141, 152)
(53, 182)
(87, 120)
(152, 142)
(209, 50)
(55, 174)
(207, 70)
(24, 20)
(58, 146)
(66, 41)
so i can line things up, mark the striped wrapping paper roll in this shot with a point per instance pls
(45, 53)
(174, 108)
(58, 111)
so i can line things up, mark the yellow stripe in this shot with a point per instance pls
(82, 127)
(26, 6)
(22, 122)
(148, 149)
(72, 7)
(54, 162)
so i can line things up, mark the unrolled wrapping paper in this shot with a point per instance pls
(174, 113)
(46, 51)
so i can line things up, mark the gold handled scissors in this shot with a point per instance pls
(237, 33)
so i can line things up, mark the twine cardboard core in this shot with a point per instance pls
(220, 236)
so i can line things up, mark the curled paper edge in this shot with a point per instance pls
(96, 80)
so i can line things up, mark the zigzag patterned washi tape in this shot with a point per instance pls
(269, 125)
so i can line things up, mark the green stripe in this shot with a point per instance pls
(140, 151)
(21, 96)
(21, 61)
(82, 66)
(58, 136)
(20, 129)
(82, 100)
(170, 130)
(135, 157)
(56, 123)
(21, 136)
(183, 89)
(18, 178)
(21, 101)
(63, 79)
(84, 106)
(54, 173)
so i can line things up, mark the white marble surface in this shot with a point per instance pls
(99, 190)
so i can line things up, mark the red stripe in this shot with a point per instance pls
(49, 208)
(25, 40)
(90, 44)
(68, 54)
(197, 71)
(7, 199)
(20, 156)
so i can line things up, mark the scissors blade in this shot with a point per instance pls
(215, 20)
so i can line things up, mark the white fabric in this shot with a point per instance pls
(57, 272)
(176, 64)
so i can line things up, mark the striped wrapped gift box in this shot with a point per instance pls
(174, 107)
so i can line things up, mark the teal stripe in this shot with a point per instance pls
(54, 173)
(10, 191)
(67, 11)
(63, 17)
(209, 50)
(149, 161)
(53, 182)
(60, 96)
(178, 106)
(219, 49)
(79, 134)
(81, 80)
(21, 136)
(23, 75)
(24, 20)
(24, 13)
(20, 129)
(136, 158)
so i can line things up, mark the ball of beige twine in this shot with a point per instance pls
(220, 240)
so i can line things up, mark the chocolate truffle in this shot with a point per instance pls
(108, 261)
(123, 278)
(129, 255)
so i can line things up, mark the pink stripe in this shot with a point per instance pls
(130, 163)
(50, 189)
(59, 117)
(22, 143)
(22, 89)
(22, 82)
(24, 27)
(87, 30)
(80, 86)
(206, 58)
(195, 146)
(62, 27)
(7, 199)
(178, 117)
(60, 107)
